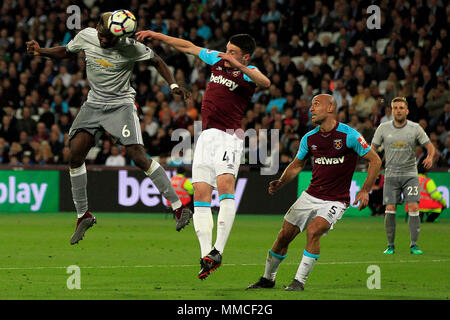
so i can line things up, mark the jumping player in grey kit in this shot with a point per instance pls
(400, 137)
(110, 107)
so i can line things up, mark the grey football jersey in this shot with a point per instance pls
(400, 146)
(109, 70)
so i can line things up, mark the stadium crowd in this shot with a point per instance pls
(304, 47)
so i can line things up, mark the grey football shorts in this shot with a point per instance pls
(121, 121)
(397, 190)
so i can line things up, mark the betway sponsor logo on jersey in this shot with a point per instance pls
(226, 82)
(325, 160)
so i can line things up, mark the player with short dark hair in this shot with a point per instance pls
(219, 148)
(110, 107)
(334, 148)
(400, 137)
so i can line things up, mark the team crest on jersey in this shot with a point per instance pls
(235, 73)
(337, 143)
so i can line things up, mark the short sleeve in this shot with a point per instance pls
(209, 56)
(303, 150)
(357, 142)
(377, 139)
(422, 137)
(77, 43)
(246, 77)
(141, 52)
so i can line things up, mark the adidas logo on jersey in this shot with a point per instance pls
(226, 82)
(324, 160)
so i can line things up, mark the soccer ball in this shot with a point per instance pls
(122, 23)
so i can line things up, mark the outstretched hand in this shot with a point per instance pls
(181, 91)
(33, 47)
(146, 34)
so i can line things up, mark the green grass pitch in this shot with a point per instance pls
(141, 256)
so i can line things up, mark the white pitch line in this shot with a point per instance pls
(227, 265)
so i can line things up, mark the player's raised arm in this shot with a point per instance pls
(292, 170)
(164, 71)
(177, 43)
(61, 52)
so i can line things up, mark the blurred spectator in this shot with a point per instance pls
(105, 152)
(41, 133)
(115, 159)
(44, 153)
(387, 114)
(348, 64)
(364, 106)
(47, 117)
(182, 120)
(26, 124)
(7, 130)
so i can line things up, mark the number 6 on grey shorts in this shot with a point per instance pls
(121, 121)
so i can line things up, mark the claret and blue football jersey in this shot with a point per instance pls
(227, 95)
(334, 155)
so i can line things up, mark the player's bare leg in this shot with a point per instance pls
(159, 177)
(390, 226)
(276, 255)
(317, 227)
(203, 222)
(414, 226)
(80, 145)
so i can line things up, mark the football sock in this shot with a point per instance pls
(414, 227)
(78, 179)
(306, 265)
(272, 263)
(225, 220)
(389, 225)
(203, 225)
(159, 177)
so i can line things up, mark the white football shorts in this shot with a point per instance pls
(216, 153)
(308, 207)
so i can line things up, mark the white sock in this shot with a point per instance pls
(203, 225)
(272, 263)
(225, 220)
(306, 265)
